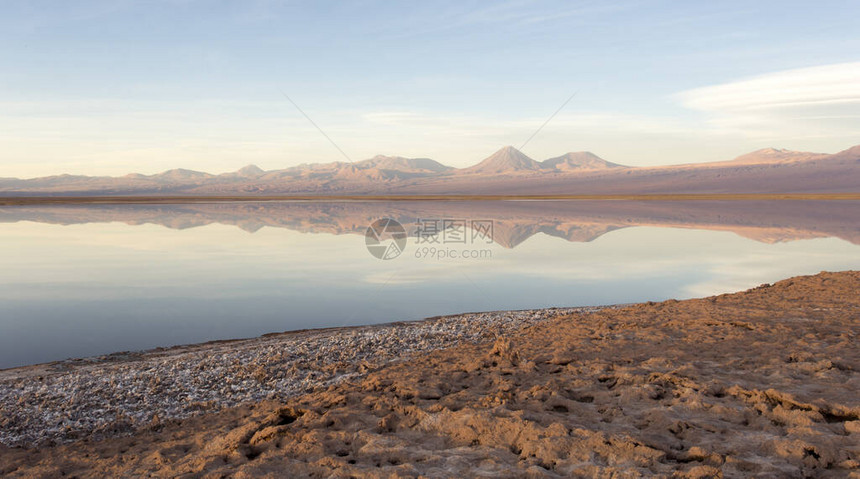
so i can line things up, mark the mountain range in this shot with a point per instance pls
(507, 171)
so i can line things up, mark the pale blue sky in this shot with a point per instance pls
(117, 86)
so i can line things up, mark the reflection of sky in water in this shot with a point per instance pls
(96, 288)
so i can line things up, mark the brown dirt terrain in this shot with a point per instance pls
(762, 383)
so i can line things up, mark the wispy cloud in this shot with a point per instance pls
(821, 85)
(805, 102)
(511, 14)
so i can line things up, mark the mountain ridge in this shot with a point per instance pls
(507, 171)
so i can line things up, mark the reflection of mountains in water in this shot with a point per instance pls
(513, 221)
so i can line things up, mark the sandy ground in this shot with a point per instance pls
(762, 383)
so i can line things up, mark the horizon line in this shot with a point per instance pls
(179, 199)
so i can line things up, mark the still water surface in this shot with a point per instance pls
(87, 280)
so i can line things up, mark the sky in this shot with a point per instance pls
(112, 87)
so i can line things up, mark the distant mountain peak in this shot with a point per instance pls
(407, 165)
(579, 161)
(250, 171)
(181, 173)
(506, 160)
(775, 155)
(251, 168)
(851, 153)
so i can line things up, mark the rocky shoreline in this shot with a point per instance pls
(120, 393)
(761, 383)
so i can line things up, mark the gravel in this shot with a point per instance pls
(119, 393)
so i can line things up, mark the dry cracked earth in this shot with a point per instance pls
(762, 383)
